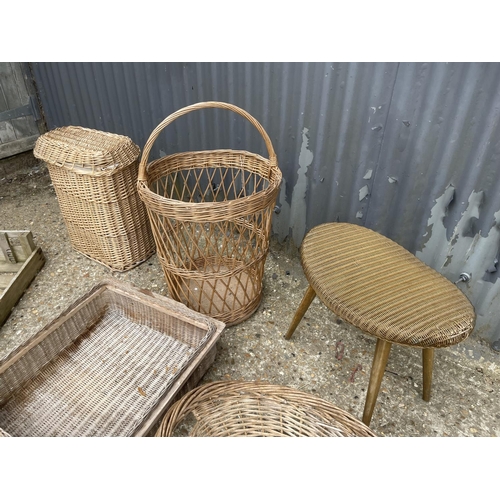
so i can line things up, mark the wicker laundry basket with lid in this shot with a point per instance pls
(94, 174)
(211, 214)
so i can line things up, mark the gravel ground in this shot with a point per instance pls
(325, 356)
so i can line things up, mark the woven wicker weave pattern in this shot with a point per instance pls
(378, 286)
(228, 409)
(94, 175)
(103, 366)
(211, 214)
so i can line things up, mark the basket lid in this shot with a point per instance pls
(85, 149)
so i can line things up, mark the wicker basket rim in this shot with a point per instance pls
(87, 171)
(128, 290)
(250, 390)
(273, 180)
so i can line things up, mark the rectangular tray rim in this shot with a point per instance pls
(152, 299)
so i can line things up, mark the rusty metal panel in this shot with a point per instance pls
(411, 150)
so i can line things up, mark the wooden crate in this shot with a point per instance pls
(20, 261)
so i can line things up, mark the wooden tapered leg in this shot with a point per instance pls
(382, 350)
(304, 305)
(428, 362)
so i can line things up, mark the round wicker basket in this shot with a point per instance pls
(211, 213)
(239, 408)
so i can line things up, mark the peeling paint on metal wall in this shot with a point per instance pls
(298, 207)
(411, 150)
(469, 252)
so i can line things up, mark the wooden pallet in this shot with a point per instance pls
(20, 261)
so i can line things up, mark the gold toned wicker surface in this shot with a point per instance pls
(94, 174)
(251, 409)
(211, 212)
(373, 283)
(110, 365)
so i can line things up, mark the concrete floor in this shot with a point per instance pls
(326, 356)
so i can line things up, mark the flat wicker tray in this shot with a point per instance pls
(110, 365)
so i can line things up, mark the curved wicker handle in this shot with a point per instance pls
(202, 105)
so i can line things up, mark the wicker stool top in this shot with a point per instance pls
(91, 151)
(259, 409)
(381, 288)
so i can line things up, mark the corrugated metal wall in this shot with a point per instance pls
(411, 150)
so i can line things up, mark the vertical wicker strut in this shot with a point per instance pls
(94, 174)
(211, 213)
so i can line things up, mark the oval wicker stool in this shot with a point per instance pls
(233, 408)
(376, 285)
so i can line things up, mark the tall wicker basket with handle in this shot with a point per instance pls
(210, 212)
